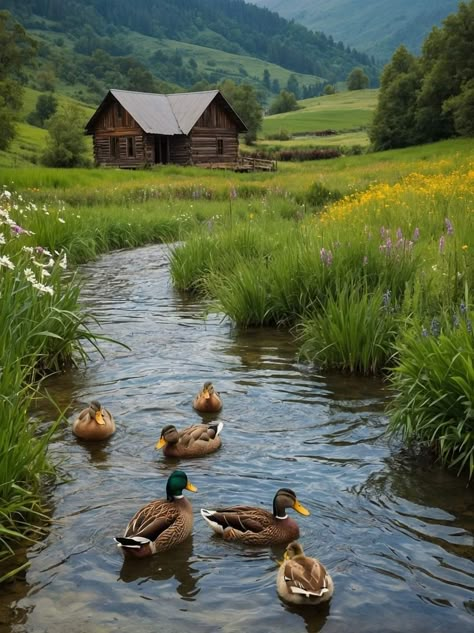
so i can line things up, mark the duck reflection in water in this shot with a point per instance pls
(314, 619)
(171, 564)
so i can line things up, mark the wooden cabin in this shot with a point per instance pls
(134, 129)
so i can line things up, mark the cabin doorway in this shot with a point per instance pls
(161, 150)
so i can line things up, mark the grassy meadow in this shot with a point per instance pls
(368, 259)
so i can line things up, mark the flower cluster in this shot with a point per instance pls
(39, 261)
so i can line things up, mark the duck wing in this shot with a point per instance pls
(242, 518)
(152, 520)
(306, 576)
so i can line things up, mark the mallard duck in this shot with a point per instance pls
(256, 526)
(94, 423)
(161, 524)
(302, 580)
(207, 400)
(196, 440)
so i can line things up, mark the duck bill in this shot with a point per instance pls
(161, 442)
(301, 509)
(99, 418)
(205, 394)
(190, 487)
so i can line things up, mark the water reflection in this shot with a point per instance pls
(175, 564)
(395, 531)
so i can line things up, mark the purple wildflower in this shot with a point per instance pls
(424, 331)
(399, 234)
(435, 327)
(17, 230)
(449, 226)
(441, 244)
(416, 234)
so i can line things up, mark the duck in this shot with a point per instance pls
(256, 526)
(161, 524)
(94, 423)
(302, 580)
(207, 400)
(194, 441)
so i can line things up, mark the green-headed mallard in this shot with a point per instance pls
(302, 580)
(94, 423)
(207, 400)
(256, 526)
(161, 524)
(196, 440)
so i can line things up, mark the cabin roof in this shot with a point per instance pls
(167, 114)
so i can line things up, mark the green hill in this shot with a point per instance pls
(341, 112)
(88, 46)
(377, 27)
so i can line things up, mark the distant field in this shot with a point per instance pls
(344, 111)
(345, 139)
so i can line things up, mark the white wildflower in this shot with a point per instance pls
(7, 262)
(62, 220)
(45, 273)
(2, 239)
(6, 194)
(63, 262)
(43, 289)
(30, 275)
(28, 249)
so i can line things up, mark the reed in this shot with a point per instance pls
(433, 383)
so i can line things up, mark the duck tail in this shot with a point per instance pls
(131, 542)
(207, 516)
(217, 427)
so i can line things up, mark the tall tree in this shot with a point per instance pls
(16, 49)
(394, 123)
(447, 64)
(243, 99)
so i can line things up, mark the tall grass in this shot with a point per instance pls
(434, 385)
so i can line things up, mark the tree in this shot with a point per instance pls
(394, 123)
(329, 89)
(46, 106)
(276, 86)
(447, 65)
(244, 100)
(16, 49)
(357, 79)
(266, 79)
(285, 102)
(461, 109)
(66, 145)
(293, 86)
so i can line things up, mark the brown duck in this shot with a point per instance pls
(257, 526)
(196, 440)
(207, 400)
(161, 524)
(302, 580)
(94, 423)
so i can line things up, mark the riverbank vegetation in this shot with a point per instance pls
(368, 259)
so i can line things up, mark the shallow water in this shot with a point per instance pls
(395, 531)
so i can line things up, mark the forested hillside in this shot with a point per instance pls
(377, 27)
(164, 44)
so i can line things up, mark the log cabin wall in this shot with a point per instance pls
(180, 150)
(118, 140)
(214, 138)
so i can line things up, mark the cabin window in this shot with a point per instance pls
(114, 146)
(130, 146)
(220, 145)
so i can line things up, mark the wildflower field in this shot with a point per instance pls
(368, 259)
